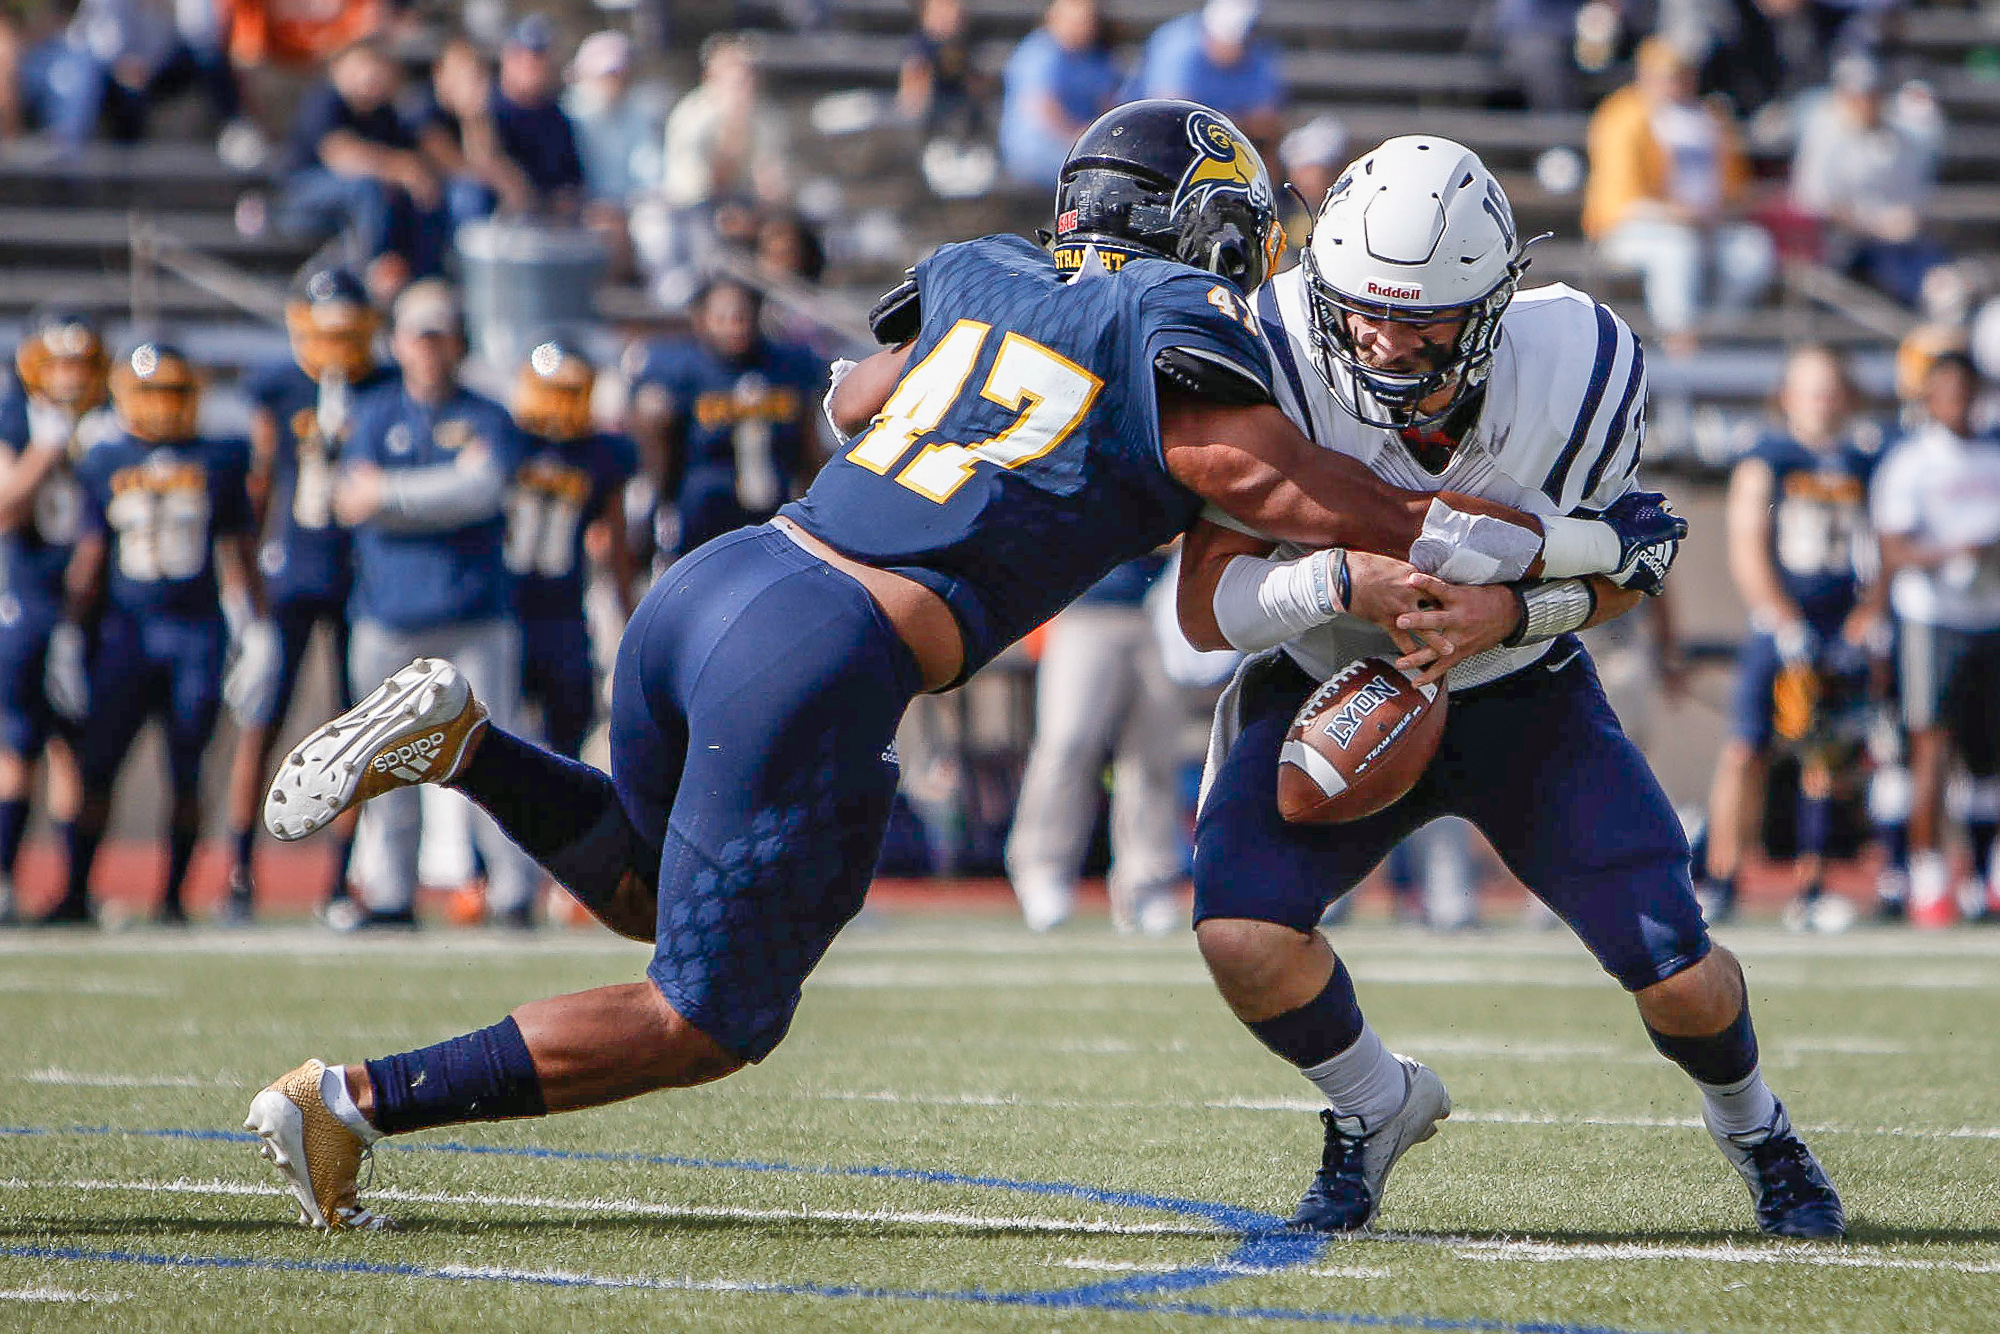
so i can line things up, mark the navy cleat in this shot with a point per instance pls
(1788, 1187)
(1346, 1194)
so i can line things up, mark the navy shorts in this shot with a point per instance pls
(27, 719)
(753, 721)
(1536, 760)
(556, 673)
(160, 665)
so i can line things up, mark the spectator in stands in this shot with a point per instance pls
(723, 141)
(1800, 550)
(1867, 175)
(355, 166)
(1102, 691)
(460, 139)
(1311, 156)
(1761, 54)
(1537, 39)
(726, 422)
(423, 483)
(617, 131)
(1936, 505)
(938, 86)
(1668, 180)
(533, 130)
(115, 60)
(1058, 80)
(1211, 57)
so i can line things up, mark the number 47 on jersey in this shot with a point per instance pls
(1049, 394)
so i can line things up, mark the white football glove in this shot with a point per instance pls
(250, 687)
(66, 674)
(50, 426)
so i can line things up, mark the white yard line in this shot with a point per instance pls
(1771, 1253)
(58, 1295)
(653, 1209)
(56, 1075)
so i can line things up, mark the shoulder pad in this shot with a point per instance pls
(899, 315)
(1207, 377)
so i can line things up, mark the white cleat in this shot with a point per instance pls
(413, 728)
(317, 1154)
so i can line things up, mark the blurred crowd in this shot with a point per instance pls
(1725, 139)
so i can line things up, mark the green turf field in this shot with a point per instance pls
(971, 1128)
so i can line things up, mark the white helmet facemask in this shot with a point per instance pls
(1420, 233)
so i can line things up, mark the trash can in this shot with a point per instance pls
(519, 279)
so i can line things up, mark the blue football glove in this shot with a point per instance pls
(1649, 537)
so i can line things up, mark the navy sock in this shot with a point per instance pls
(1319, 1030)
(1980, 833)
(180, 855)
(13, 824)
(482, 1076)
(343, 855)
(1815, 825)
(1895, 841)
(81, 845)
(1719, 1058)
(563, 813)
(245, 840)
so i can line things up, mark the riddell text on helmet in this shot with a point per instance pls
(1395, 291)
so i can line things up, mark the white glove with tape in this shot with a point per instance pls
(66, 674)
(250, 687)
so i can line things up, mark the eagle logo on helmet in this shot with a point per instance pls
(1224, 161)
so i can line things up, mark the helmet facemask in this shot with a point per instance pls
(1396, 397)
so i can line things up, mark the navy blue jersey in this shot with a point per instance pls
(742, 449)
(34, 554)
(1820, 539)
(160, 509)
(306, 553)
(1019, 458)
(559, 492)
(415, 580)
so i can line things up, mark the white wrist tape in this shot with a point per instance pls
(1571, 547)
(1467, 548)
(1260, 602)
(836, 372)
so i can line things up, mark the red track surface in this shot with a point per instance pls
(291, 880)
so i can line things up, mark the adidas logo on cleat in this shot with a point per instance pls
(411, 760)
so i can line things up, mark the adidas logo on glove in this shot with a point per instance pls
(412, 759)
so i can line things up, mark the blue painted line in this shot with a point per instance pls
(976, 1297)
(1265, 1243)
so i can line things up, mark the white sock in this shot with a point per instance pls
(1740, 1108)
(1365, 1083)
(333, 1092)
(1930, 879)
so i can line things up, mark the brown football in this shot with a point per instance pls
(1358, 743)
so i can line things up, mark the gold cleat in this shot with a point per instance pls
(319, 1156)
(413, 728)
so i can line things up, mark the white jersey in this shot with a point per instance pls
(1560, 429)
(1940, 490)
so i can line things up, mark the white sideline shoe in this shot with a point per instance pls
(413, 728)
(319, 1157)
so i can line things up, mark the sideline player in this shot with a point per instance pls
(48, 419)
(1420, 359)
(299, 417)
(160, 502)
(574, 477)
(758, 688)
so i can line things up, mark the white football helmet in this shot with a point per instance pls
(1416, 231)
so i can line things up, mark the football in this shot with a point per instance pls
(1358, 743)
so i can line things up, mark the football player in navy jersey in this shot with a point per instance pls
(574, 477)
(48, 417)
(1402, 340)
(300, 412)
(160, 503)
(725, 419)
(1042, 416)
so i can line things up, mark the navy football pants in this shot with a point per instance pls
(1537, 760)
(753, 716)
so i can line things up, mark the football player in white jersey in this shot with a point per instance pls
(1403, 343)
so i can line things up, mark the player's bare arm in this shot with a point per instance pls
(863, 391)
